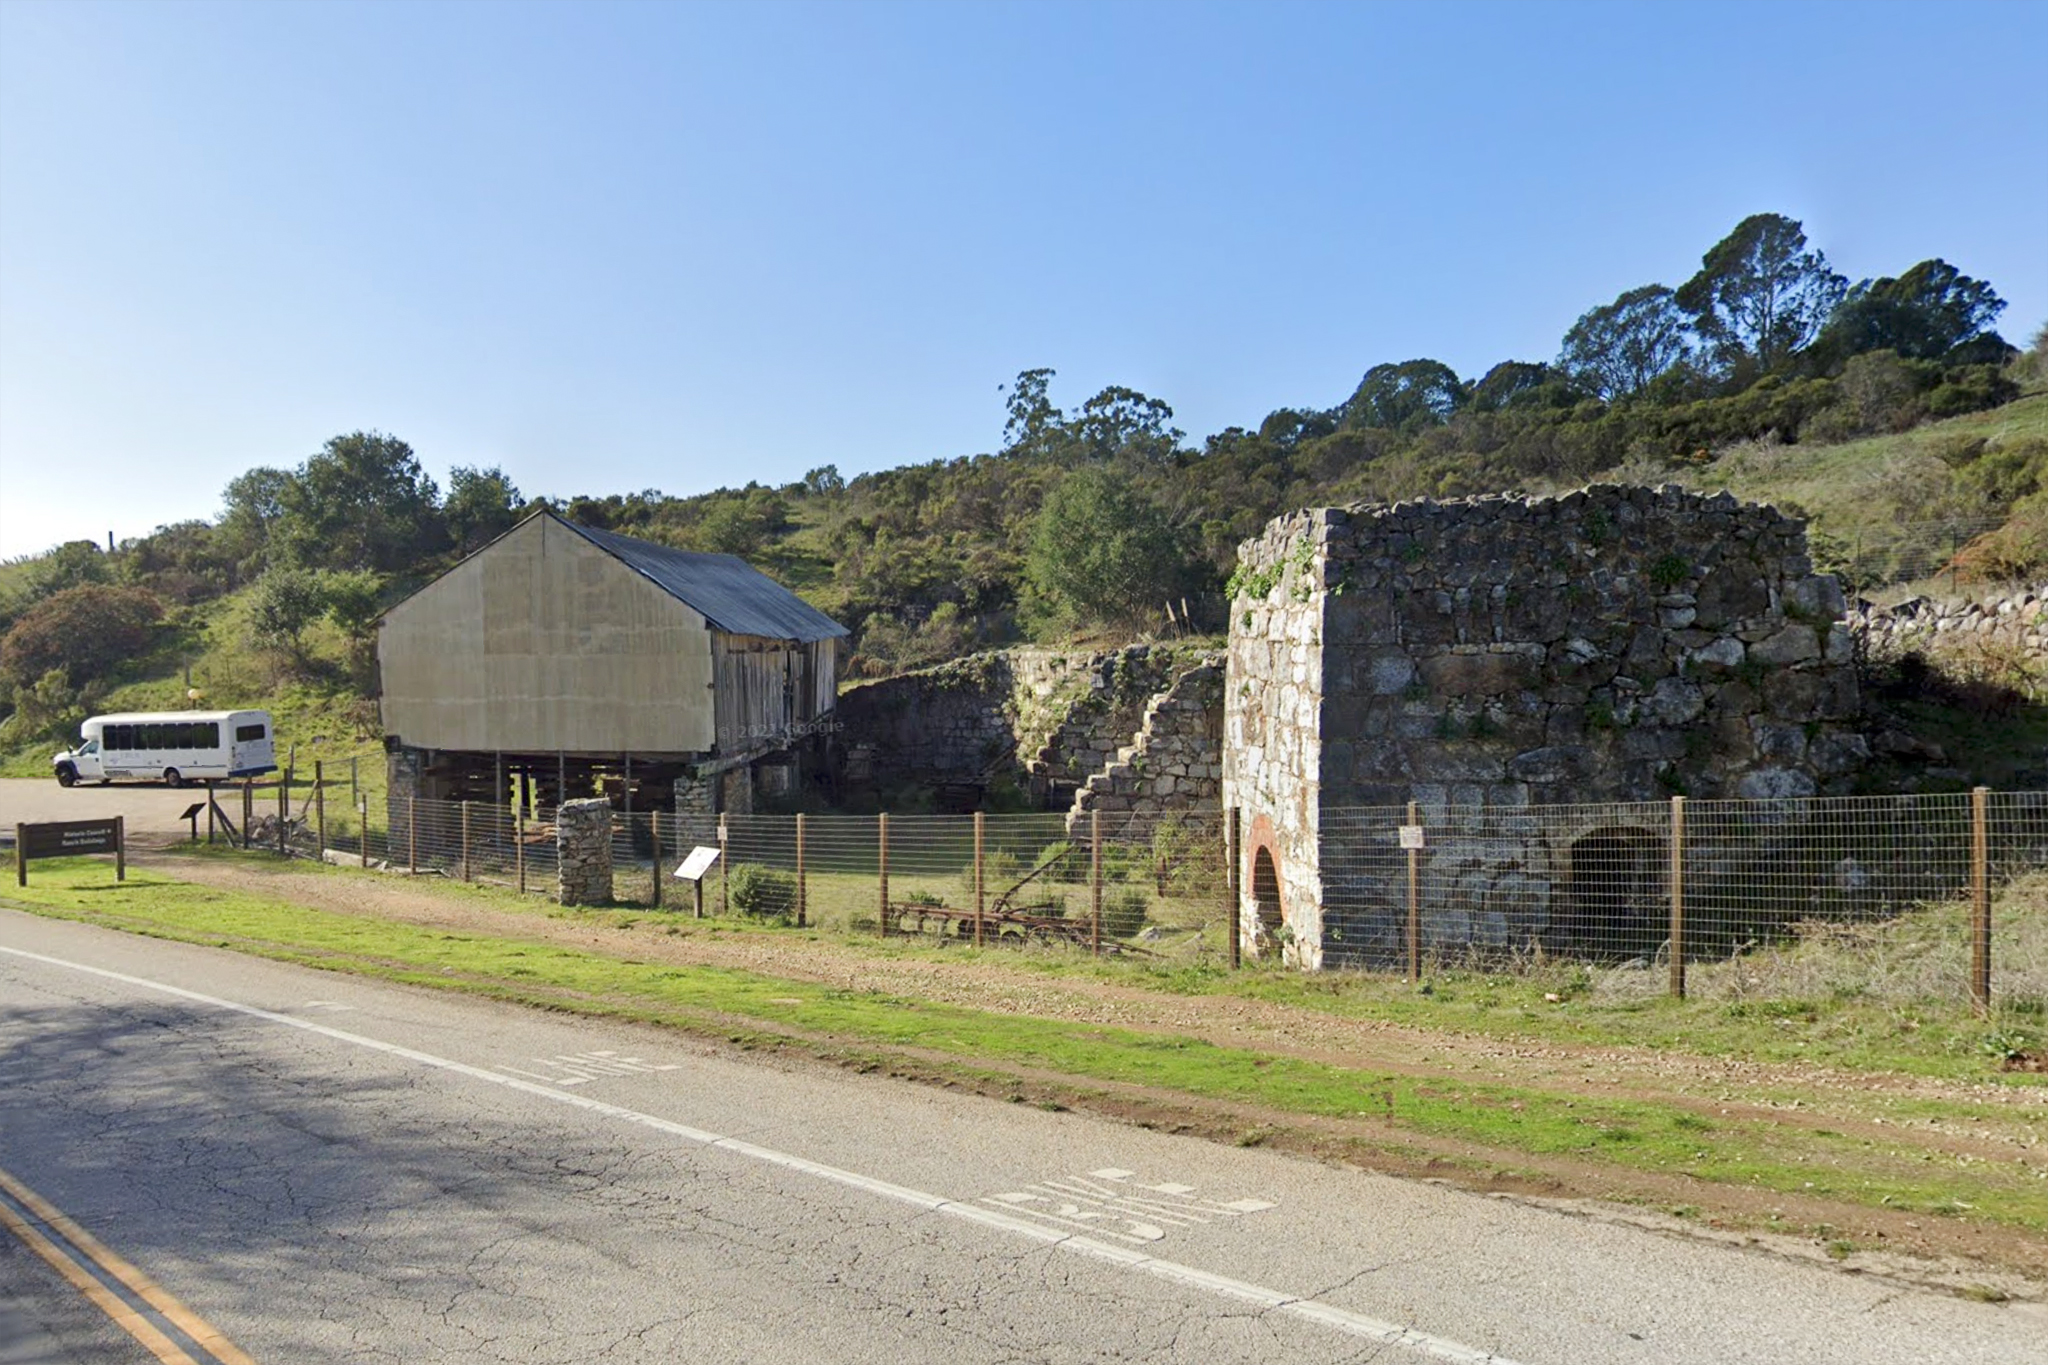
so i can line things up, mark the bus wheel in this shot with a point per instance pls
(173, 778)
(67, 776)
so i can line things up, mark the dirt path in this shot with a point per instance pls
(1850, 1104)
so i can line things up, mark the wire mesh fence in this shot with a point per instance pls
(1900, 897)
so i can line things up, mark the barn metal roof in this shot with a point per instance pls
(728, 592)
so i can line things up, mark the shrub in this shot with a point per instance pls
(762, 891)
(1123, 912)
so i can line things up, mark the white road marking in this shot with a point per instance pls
(1274, 1300)
(1079, 1201)
(578, 1067)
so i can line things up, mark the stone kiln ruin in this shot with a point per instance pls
(1612, 645)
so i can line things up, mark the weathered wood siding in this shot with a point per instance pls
(543, 642)
(769, 691)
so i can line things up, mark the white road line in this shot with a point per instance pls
(1224, 1286)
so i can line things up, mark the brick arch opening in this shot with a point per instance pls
(1614, 899)
(1266, 891)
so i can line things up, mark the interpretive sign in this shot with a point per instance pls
(698, 863)
(68, 839)
(1411, 836)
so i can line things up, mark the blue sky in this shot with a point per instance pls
(616, 247)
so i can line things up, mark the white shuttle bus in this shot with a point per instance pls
(175, 747)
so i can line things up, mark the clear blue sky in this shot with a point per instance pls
(616, 247)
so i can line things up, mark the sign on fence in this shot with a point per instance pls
(1411, 836)
(68, 839)
(697, 864)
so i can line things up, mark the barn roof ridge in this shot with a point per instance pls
(731, 594)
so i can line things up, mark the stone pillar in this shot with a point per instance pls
(583, 850)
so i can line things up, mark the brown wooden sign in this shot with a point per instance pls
(69, 839)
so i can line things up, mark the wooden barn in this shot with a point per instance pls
(561, 661)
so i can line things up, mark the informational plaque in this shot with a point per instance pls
(68, 839)
(697, 864)
(1411, 836)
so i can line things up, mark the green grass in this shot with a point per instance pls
(1647, 1135)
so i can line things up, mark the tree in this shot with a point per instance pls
(287, 600)
(1124, 422)
(1032, 415)
(1407, 396)
(70, 565)
(1924, 314)
(252, 504)
(1760, 296)
(362, 503)
(1102, 554)
(85, 631)
(482, 505)
(824, 481)
(1519, 383)
(1615, 350)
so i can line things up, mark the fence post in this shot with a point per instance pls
(412, 833)
(724, 871)
(1414, 899)
(284, 809)
(363, 830)
(465, 840)
(1233, 836)
(802, 881)
(248, 808)
(882, 866)
(654, 823)
(320, 808)
(1980, 899)
(979, 884)
(1678, 898)
(1095, 882)
(519, 848)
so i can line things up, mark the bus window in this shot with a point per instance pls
(245, 733)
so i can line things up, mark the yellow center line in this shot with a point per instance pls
(207, 1336)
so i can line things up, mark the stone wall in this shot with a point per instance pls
(1099, 718)
(583, 849)
(1175, 760)
(952, 721)
(2009, 626)
(1615, 644)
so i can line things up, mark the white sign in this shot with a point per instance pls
(1411, 836)
(697, 864)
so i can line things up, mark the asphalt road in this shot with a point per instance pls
(328, 1169)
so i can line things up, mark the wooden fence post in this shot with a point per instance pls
(248, 808)
(1233, 886)
(1095, 882)
(1414, 899)
(519, 848)
(1678, 898)
(465, 841)
(654, 824)
(284, 811)
(412, 833)
(724, 870)
(320, 808)
(802, 882)
(882, 867)
(979, 884)
(1980, 899)
(363, 830)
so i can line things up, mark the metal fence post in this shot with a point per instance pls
(802, 881)
(1980, 899)
(882, 866)
(1678, 898)
(979, 884)
(1414, 899)
(1233, 853)
(1095, 882)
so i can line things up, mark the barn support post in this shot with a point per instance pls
(561, 778)
(882, 868)
(497, 781)
(979, 885)
(1678, 898)
(320, 807)
(803, 885)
